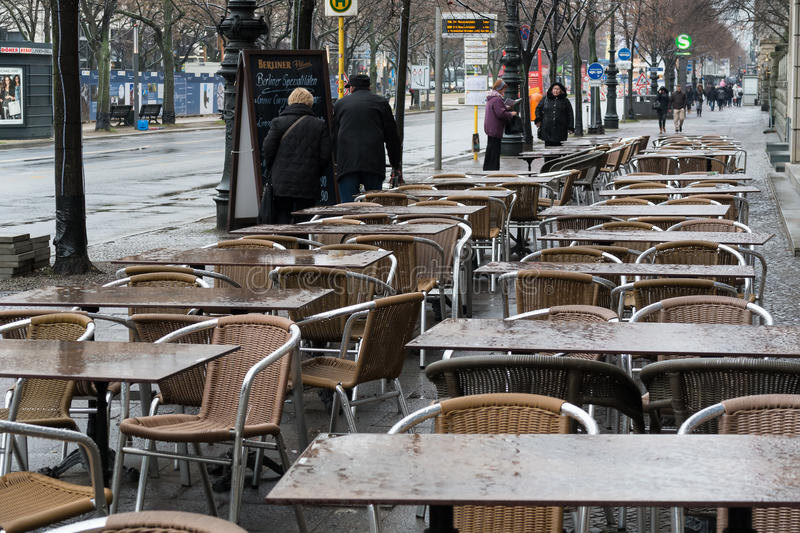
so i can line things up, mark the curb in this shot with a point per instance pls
(48, 142)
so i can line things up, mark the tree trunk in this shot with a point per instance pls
(168, 107)
(525, 60)
(402, 65)
(72, 255)
(373, 66)
(577, 86)
(305, 24)
(103, 78)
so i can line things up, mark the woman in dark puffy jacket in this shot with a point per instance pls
(661, 106)
(554, 116)
(296, 152)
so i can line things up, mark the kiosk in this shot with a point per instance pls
(26, 88)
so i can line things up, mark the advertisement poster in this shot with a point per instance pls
(206, 98)
(11, 95)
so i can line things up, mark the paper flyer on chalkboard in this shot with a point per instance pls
(270, 76)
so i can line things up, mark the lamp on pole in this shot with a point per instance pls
(512, 142)
(240, 29)
(611, 118)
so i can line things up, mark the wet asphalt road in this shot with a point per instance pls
(140, 183)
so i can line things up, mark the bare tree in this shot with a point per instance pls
(577, 25)
(28, 16)
(96, 25)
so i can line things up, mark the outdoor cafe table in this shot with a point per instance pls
(643, 338)
(318, 228)
(736, 471)
(536, 179)
(443, 193)
(704, 211)
(739, 189)
(430, 210)
(707, 152)
(622, 269)
(689, 178)
(212, 300)
(101, 363)
(722, 237)
(255, 257)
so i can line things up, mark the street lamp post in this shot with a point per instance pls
(512, 142)
(240, 29)
(611, 118)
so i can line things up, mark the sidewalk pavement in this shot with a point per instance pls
(782, 297)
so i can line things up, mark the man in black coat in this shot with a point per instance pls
(363, 123)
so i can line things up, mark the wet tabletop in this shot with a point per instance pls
(316, 228)
(722, 189)
(622, 269)
(637, 210)
(216, 299)
(685, 177)
(489, 180)
(103, 361)
(335, 211)
(256, 257)
(623, 337)
(659, 470)
(723, 237)
(442, 192)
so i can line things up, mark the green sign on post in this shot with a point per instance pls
(683, 41)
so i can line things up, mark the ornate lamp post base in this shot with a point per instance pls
(611, 118)
(512, 142)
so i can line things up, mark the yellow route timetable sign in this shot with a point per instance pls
(458, 25)
(341, 8)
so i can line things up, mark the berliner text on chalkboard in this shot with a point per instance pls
(265, 80)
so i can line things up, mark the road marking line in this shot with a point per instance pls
(97, 152)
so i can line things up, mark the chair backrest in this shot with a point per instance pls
(185, 388)
(8, 316)
(390, 325)
(691, 252)
(416, 187)
(250, 277)
(644, 185)
(650, 291)
(739, 207)
(371, 218)
(487, 221)
(690, 200)
(567, 254)
(624, 201)
(696, 383)
(449, 175)
(404, 249)
(527, 204)
(334, 238)
(163, 521)
(162, 279)
(428, 255)
(578, 381)
(538, 289)
(388, 198)
(657, 164)
(764, 414)
(710, 224)
(569, 182)
(257, 337)
(703, 309)
(662, 223)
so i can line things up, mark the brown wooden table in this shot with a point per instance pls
(722, 237)
(256, 257)
(622, 269)
(432, 210)
(317, 228)
(644, 338)
(705, 211)
(560, 470)
(101, 363)
(213, 300)
(688, 178)
(741, 189)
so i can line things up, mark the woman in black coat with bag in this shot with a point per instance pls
(296, 151)
(661, 105)
(554, 118)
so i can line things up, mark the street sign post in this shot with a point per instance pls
(341, 9)
(420, 74)
(458, 25)
(624, 58)
(595, 71)
(476, 51)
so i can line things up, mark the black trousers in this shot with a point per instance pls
(662, 120)
(491, 159)
(284, 205)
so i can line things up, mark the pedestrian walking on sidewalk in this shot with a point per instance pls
(711, 96)
(554, 116)
(363, 124)
(296, 151)
(699, 99)
(661, 105)
(678, 103)
(495, 118)
(722, 96)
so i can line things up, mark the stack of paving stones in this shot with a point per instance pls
(21, 253)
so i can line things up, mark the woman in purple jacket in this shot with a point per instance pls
(495, 118)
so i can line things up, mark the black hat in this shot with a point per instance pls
(358, 81)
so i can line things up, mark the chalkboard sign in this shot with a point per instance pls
(264, 82)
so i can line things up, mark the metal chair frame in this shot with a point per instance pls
(200, 273)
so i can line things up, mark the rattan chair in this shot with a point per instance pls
(571, 254)
(387, 198)
(389, 326)
(578, 381)
(628, 225)
(690, 385)
(767, 414)
(538, 289)
(135, 270)
(449, 176)
(700, 163)
(704, 310)
(662, 223)
(153, 522)
(575, 223)
(739, 206)
(523, 215)
(29, 500)
(250, 277)
(333, 238)
(624, 201)
(566, 189)
(489, 231)
(289, 242)
(568, 313)
(37, 401)
(371, 218)
(710, 224)
(493, 414)
(656, 164)
(242, 401)
(649, 291)
(159, 279)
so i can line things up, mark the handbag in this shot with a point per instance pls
(265, 210)
(13, 108)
